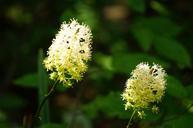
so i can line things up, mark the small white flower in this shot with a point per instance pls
(69, 52)
(145, 87)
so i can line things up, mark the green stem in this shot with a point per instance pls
(37, 115)
(179, 115)
(131, 118)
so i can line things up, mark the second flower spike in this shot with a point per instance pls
(144, 88)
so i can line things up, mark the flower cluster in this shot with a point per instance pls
(69, 52)
(144, 88)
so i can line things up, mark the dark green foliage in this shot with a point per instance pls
(175, 88)
(189, 90)
(184, 121)
(125, 33)
(52, 125)
(28, 80)
(110, 105)
(125, 63)
(170, 52)
(11, 101)
(43, 89)
(137, 5)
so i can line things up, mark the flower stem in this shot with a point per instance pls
(37, 115)
(131, 118)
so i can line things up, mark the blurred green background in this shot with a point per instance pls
(125, 32)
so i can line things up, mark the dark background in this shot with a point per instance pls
(125, 33)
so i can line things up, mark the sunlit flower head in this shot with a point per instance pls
(144, 88)
(69, 52)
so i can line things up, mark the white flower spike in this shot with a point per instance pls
(69, 52)
(144, 88)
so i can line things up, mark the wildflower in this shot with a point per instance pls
(69, 52)
(144, 88)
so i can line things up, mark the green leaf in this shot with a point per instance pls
(173, 50)
(120, 46)
(5, 125)
(104, 61)
(28, 80)
(144, 37)
(175, 88)
(99, 77)
(43, 88)
(52, 125)
(87, 15)
(66, 15)
(125, 63)
(170, 105)
(3, 116)
(11, 101)
(157, 6)
(111, 105)
(182, 121)
(189, 90)
(157, 26)
(137, 5)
